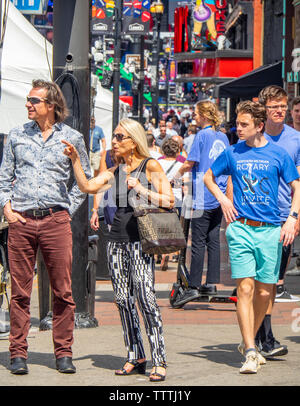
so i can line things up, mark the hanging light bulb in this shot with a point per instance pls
(157, 7)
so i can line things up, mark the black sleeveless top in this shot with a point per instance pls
(124, 227)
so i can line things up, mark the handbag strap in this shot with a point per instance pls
(171, 167)
(140, 168)
(136, 175)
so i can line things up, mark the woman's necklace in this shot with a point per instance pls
(131, 167)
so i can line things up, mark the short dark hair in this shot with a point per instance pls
(170, 148)
(272, 92)
(295, 101)
(54, 96)
(256, 110)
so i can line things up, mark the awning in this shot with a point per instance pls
(250, 84)
(201, 79)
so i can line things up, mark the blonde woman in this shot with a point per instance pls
(132, 271)
(207, 213)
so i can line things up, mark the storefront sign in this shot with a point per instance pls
(209, 18)
(31, 6)
(136, 17)
(293, 77)
(102, 17)
(220, 16)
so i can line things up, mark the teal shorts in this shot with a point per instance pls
(255, 252)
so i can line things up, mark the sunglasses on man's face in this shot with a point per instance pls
(35, 100)
(120, 137)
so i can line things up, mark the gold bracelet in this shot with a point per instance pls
(94, 210)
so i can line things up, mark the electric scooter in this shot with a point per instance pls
(176, 298)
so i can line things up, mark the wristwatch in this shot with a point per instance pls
(294, 214)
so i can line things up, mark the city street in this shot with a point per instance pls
(124, 99)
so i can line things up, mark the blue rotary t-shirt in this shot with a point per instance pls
(288, 139)
(255, 176)
(207, 146)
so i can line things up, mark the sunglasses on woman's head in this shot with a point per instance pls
(35, 100)
(120, 137)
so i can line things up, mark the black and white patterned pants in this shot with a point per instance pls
(132, 274)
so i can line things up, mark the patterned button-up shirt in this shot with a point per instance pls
(35, 174)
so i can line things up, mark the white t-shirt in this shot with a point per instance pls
(166, 164)
(155, 154)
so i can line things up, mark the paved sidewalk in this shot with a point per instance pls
(201, 342)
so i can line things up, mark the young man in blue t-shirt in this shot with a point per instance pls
(275, 99)
(254, 234)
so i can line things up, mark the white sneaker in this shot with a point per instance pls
(283, 296)
(294, 271)
(251, 365)
(261, 359)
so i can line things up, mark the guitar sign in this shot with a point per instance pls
(201, 12)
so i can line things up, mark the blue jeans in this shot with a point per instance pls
(205, 233)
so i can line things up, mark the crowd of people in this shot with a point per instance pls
(253, 184)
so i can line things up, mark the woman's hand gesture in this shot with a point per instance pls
(134, 183)
(70, 151)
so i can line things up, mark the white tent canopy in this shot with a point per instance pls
(27, 55)
(23, 59)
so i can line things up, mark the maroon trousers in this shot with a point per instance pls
(54, 237)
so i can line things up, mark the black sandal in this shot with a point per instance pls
(157, 374)
(164, 263)
(138, 368)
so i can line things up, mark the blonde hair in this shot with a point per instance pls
(209, 110)
(137, 134)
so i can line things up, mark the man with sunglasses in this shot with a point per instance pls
(275, 100)
(39, 201)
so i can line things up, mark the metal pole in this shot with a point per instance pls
(71, 48)
(167, 81)
(155, 61)
(117, 61)
(142, 79)
(135, 49)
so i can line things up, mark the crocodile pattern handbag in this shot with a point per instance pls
(159, 228)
